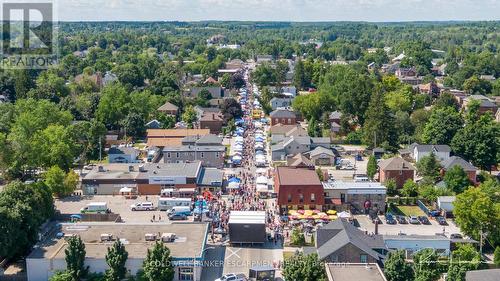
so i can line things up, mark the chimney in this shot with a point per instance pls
(376, 227)
(130, 168)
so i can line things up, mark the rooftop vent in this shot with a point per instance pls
(130, 168)
(142, 168)
(168, 237)
(100, 168)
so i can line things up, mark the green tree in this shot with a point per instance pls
(203, 98)
(54, 178)
(463, 259)
(304, 268)
(113, 105)
(371, 168)
(442, 126)
(379, 124)
(297, 238)
(116, 258)
(392, 189)
(75, 258)
(189, 116)
(396, 268)
(62, 276)
(129, 74)
(134, 125)
(479, 142)
(158, 264)
(410, 188)
(428, 167)
(425, 265)
(299, 79)
(478, 209)
(496, 256)
(456, 179)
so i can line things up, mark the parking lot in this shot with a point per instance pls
(118, 205)
(393, 229)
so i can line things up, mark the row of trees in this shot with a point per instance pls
(23, 209)
(428, 265)
(157, 265)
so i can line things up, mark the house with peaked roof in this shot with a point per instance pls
(285, 117)
(299, 161)
(169, 109)
(396, 168)
(294, 145)
(341, 242)
(280, 103)
(417, 151)
(298, 189)
(322, 156)
(485, 103)
(459, 161)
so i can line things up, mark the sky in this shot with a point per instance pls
(278, 10)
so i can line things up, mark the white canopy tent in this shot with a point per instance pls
(233, 185)
(261, 180)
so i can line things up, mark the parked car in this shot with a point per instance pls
(144, 206)
(389, 219)
(456, 236)
(423, 220)
(441, 220)
(413, 220)
(401, 219)
(232, 277)
(177, 217)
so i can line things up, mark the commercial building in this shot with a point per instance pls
(186, 241)
(298, 189)
(355, 196)
(208, 149)
(354, 271)
(281, 116)
(143, 179)
(413, 243)
(122, 155)
(172, 137)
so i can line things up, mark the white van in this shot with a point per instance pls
(144, 206)
(181, 210)
(168, 203)
(95, 207)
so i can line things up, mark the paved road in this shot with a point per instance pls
(213, 268)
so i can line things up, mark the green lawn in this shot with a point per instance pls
(408, 211)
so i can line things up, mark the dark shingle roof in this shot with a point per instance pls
(395, 164)
(455, 160)
(340, 232)
(210, 176)
(483, 275)
(280, 113)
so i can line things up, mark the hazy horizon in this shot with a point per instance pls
(376, 11)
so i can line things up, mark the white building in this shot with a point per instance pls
(414, 243)
(442, 152)
(187, 249)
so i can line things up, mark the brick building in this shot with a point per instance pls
(298, 189)
(396, 168)
(281, 116)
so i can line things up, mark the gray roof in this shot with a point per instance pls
(455, 160)
(320, 150)
(409, 149)
(189, 148)
(335, 115)
(280, 113)
(210, 177)
(122, 150)
(280, 99)
(483, 275)
(277, 147)
(209, 139)
(431, 147)
(340, 232)
(395, 164)
(168, 106)
(320, 140)
(189, 170)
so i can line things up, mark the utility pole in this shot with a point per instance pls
(100, 149)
